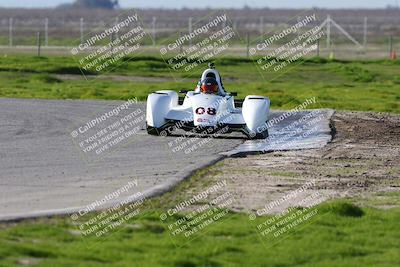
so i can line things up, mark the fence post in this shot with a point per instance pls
(328, 31)
(190, 30)
(248, 45)
(390, 46)
(298, 30)
(234, 25)
(116, 33)
(262, 25)
(38, 44)
(181, 45)
(153, 30)
(81, 29)
(112, 43)
(365, 31)
(10, 31)
(318, 47)
(46, 32)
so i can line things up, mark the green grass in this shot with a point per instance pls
(345, 236)
(364, 86)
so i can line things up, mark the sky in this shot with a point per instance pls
(219, 3)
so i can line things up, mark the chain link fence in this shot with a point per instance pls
(352, 34)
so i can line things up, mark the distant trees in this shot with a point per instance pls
(106, 4)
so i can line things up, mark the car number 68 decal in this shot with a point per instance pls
(210, 111)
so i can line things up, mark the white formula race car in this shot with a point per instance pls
(208, 109)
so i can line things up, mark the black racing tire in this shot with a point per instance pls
(257, 135)
(239, 103)
(156, 131)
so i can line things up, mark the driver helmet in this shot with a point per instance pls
(209, 86)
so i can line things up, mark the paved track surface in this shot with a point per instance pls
(44, 170)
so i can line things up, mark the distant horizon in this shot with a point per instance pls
(221, 4)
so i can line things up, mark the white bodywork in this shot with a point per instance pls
(207, 110)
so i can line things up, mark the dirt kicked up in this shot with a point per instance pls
(361, 162)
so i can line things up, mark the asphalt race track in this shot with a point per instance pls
(57, 156)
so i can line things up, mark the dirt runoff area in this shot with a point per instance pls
(362, 162)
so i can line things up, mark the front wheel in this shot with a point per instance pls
(156, 131)
(257, 135)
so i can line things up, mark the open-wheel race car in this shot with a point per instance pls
(207, 109)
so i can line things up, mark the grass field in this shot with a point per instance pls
(370, 240)
(368, 86)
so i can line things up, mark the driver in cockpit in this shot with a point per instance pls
(209, 86)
